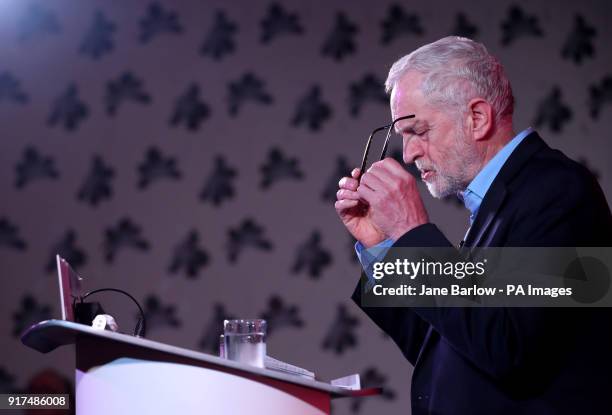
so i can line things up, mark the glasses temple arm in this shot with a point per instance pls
(383, 153)
(367, 148)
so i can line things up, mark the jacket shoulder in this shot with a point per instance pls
(550, 173)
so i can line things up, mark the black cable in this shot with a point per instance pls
(140, 328)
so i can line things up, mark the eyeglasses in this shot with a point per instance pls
(385, 145)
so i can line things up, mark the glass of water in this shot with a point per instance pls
(245, 341)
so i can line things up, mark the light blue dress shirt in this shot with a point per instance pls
(477, 189)
(472, 198)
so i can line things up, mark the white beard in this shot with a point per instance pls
(445, 184)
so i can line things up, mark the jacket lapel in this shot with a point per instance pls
(485, 216)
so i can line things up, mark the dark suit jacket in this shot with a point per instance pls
(514, 360)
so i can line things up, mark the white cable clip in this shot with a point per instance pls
(104, 322)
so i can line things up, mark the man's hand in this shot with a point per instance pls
(395, 205)
(355, 212)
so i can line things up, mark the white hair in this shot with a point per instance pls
(457, 69)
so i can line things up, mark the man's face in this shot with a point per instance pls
(435, 140)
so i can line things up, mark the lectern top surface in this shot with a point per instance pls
(50, 334)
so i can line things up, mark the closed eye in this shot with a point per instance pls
(420, 133)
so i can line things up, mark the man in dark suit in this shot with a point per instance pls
(520, 193)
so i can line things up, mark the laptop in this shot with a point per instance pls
(69, 287)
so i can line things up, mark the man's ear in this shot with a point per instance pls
(480, 118)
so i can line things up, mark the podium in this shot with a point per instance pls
(122, 374)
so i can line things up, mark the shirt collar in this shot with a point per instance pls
(477, 189)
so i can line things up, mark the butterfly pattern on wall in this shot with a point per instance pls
(248, 88)
(579, 43)
(341, 334)
(9, 236)
(519, 24)
(278, 167)
(126, 234)
(189, 257)
(369, 89)
(312, 257)
(159, 315)
(190, 109)
(11, 89)
(127, 87)
(68, 110)
(158, 21)
(189, 113)
(312, 110)
(97, 185)
(279, 22)
(156, 167)
(67, 248)
(600, 95)
(248, 234)
(99, 39)
(219, 186)
(33, 167)
(399, 23)
(219, 41)
(552, 111)
(340, 42)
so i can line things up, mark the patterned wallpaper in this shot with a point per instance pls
(189, 153)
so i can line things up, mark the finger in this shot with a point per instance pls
(356, 172)
(344, 204)
(382, 172)
(347, 194)
(366, 193)
(372, 181)
(394, 167)
(348, 183)
(393, 174)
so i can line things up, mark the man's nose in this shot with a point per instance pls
(413, 149)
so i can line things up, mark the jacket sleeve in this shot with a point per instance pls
(407, 329)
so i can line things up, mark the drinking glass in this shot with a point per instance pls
(245, 341)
